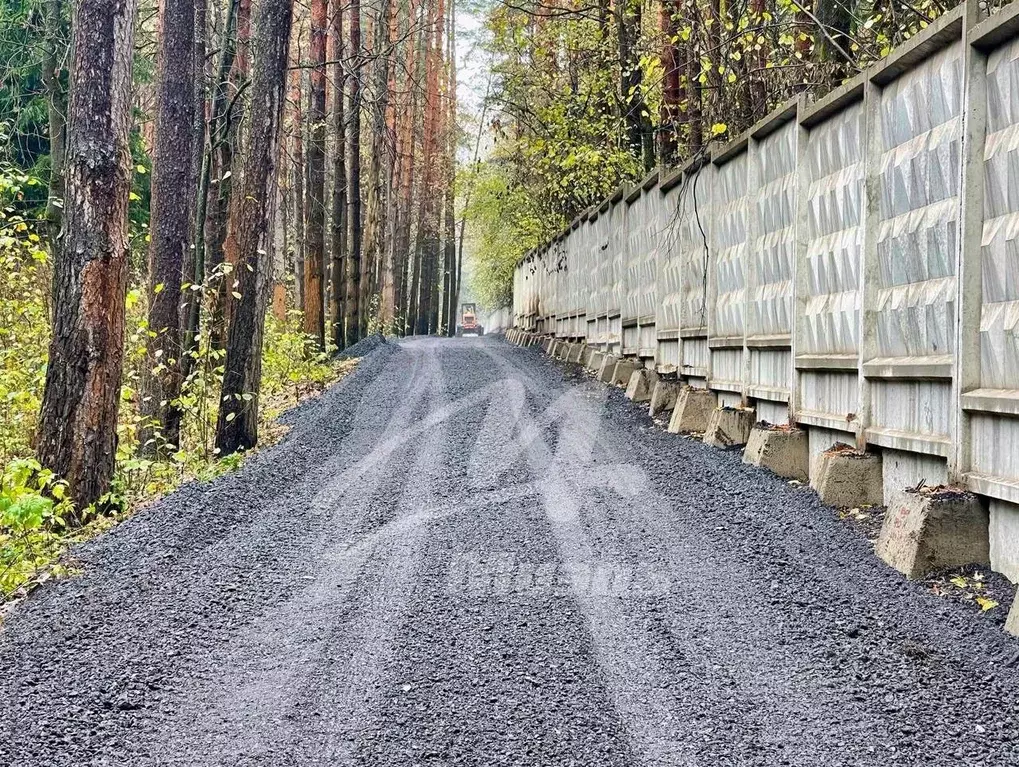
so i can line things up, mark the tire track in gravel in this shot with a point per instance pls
(683, 626)
(492, 672)
(180, 599)
(335, 626)
(814, 670)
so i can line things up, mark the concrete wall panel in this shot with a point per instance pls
(921, 131)
(836, 174)
(695, 227)
(831, 394)
(769, 266)
(731, 211)
(695, 356)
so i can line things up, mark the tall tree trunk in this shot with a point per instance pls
(56, 103)
(314, 265)
(251, 232)
(354, 309)
(297, 197)
(409, 288)
(227, 115)
(427, 227)
(77, 436)
(635, 117)
(378, 256)
(715, 59)
(194, 264)
(449, 215)
(669, 117)
(338, 235)
(173, 195)
(691, 73)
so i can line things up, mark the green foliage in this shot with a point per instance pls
(24, 319)
(504, 225)
(33, 514)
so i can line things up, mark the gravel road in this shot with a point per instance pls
(466, 554)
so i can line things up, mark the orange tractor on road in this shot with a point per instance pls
(468, 325)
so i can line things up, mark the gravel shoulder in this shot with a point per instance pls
(464, 554)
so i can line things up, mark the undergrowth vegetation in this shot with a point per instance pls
(37, 521)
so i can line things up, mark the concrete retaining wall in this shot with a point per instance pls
(847, 266)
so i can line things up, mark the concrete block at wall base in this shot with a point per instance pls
(1012, 624)
(783, 451)
(577, 352)
(625, 367)
(584, 358)
(845, 477)
(638, 388)
(1004, 538)
(595, 360)
(608, 368)
(693, 410)
(663, 397)
(933, 529)
(729, 426)
(547, 343)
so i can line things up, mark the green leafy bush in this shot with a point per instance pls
(34, 513)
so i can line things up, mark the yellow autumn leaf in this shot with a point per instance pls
(986, 604)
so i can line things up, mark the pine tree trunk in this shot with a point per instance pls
(338, 238)
(314, 265)
(226, 114)
(671, 92)
(77, 435)
(56, 103)
(297, 197)
(173, 195)
(354, 309)
(427, 227)
(451, 288)
(250, 231)
(194, 263)
(378, 256)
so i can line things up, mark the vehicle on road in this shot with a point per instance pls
(468, 325)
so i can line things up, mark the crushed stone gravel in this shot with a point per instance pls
(364, 347)
(463, 554)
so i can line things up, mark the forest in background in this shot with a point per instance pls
(586, 95)
(202, 202)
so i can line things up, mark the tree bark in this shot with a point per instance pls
(194, 263)
(354, 309)
(450, 287)
(173, 195)
(669, 117)
(314, 263)
(56, 103)
(378, 256)
(250, 231)
(226, 115)
(427, 228)
(635, 117)
(77, 435)
(298, 198)
(338, 234)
